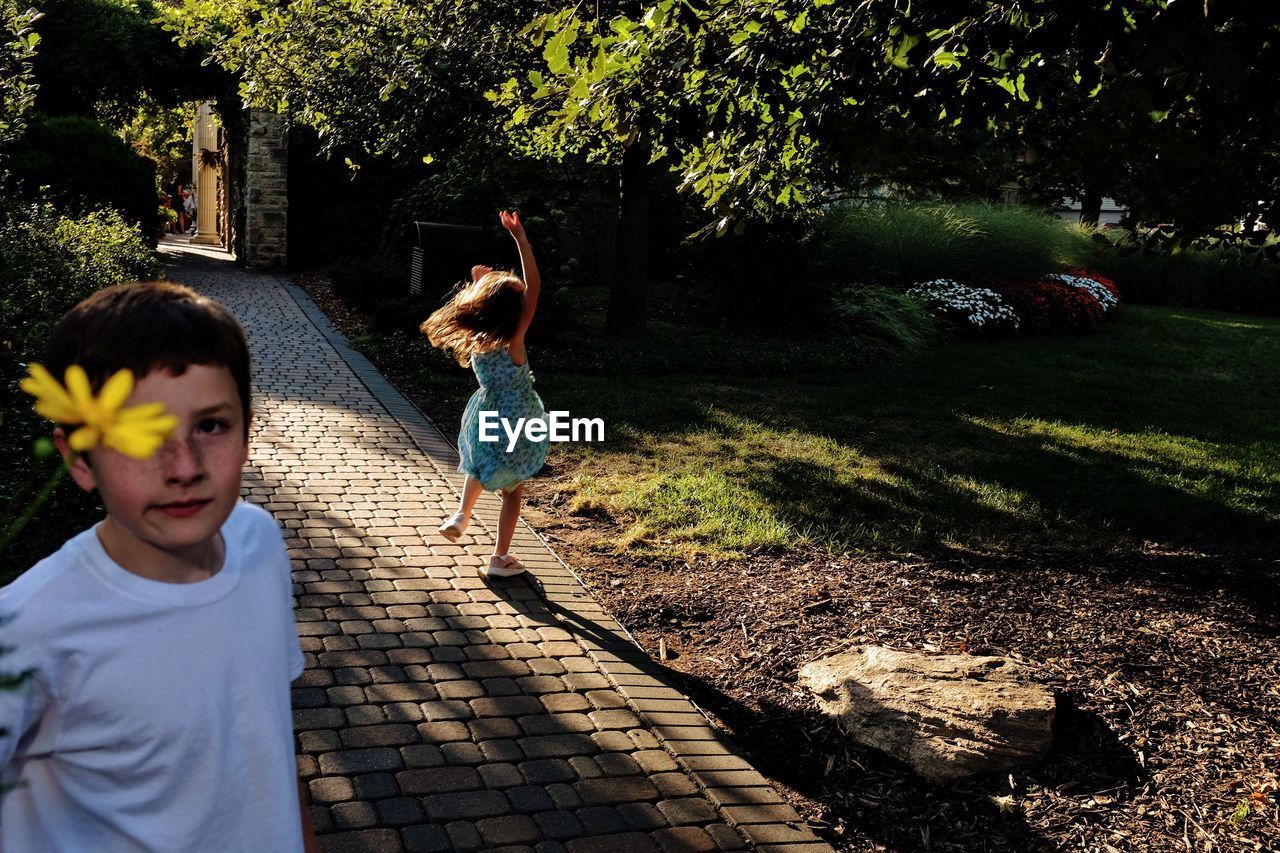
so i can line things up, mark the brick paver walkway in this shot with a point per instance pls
(438, 712)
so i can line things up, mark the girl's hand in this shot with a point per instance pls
(511, 222)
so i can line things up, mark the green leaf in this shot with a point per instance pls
(945, 59)
(898, 52)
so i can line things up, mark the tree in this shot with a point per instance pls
(18, 40)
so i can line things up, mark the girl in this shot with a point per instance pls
(483, 325)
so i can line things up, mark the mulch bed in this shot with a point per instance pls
(1167, 666)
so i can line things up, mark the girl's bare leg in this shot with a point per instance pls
(471, 491)
(507, 519)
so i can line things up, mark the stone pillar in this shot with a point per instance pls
(206, 177)
(266, 191)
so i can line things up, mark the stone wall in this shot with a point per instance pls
(266, 192)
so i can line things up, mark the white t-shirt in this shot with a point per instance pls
(158, 718)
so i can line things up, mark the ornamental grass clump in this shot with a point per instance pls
(973, 310)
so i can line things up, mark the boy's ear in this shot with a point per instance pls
(76, 463)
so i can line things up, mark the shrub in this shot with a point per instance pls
(399, 314)
(969, 310)
(1154, 270)
(896, 244)
(885, 317)
(1050, 307)
(48, 263)
(370, 278)
(85, 167)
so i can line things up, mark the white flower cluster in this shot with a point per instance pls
(1095, 288)
(981, 308)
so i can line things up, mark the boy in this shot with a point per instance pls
(162, 639)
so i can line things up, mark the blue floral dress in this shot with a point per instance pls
(507, 388)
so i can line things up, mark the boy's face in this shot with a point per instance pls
(177, 500)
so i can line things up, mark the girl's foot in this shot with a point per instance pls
(454, 527)
(502, 566)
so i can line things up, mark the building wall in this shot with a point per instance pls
(266, 192)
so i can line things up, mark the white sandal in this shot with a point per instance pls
(502, 566)
(454, 527)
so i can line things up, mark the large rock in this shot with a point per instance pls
(945, 716)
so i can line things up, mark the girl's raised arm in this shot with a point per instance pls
(529, 269)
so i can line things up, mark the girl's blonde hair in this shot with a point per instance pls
(481, 316)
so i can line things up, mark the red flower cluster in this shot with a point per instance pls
(1100, 279)
(1048, 307)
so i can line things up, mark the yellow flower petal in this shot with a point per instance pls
(85, 438)
(136, 443)
(52, 401)
(80, 390)
(115, 391)
(142, 412)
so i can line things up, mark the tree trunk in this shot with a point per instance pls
(1090, 206)
(626, 316)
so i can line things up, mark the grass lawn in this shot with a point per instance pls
(1159, 428)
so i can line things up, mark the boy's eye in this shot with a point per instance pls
(212, 425)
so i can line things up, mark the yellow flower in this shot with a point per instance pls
(137, 431)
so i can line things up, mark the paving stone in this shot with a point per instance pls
(601, 820)
(563, 795)
(630, 842)
(331, 789)
(359, 761)
(462, 753)
(354, 816)
(725, 837)
(438, 780)
(421, 755)
(546, 771)
(500, 776)
(558, 825)
(426, 838)
(529, 798)
(363, 841)
(502, 750)
(558, 746)
(444, 732)
(672, 785)
(469, 805)
(400, 811)
(376, 786)
(685, 839)
(511, 829)
(618, 764)
(629, 789)
(464, 836)
(642, 816)
(687, 811)
(370, 736)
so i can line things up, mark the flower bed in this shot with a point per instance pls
(975, 310)
(1049, 307)
(1102, 289)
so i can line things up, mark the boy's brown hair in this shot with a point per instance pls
(148, 325)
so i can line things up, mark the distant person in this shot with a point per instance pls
(483, 326)
(189, 208)
(161, 641)
(178, 199)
